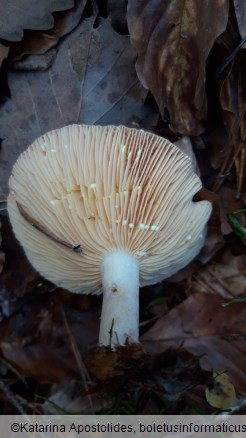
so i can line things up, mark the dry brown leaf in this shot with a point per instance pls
(205, 328)
(173, 40)
(29, 14)
(92, 80)
(38, 42)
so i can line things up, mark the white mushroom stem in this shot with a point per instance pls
(120, 310)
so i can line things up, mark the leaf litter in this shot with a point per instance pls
(77, 65)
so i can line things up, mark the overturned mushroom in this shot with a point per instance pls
(107, 209)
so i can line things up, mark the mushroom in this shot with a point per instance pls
(107, 209)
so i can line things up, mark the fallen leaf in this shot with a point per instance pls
(37, 42)
(173, 41)
(203, 327)
(222, 395)
(30, 14)
(92, 80)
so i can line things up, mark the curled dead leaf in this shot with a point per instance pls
(39, 42)
(30, 14)
(173, 40)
